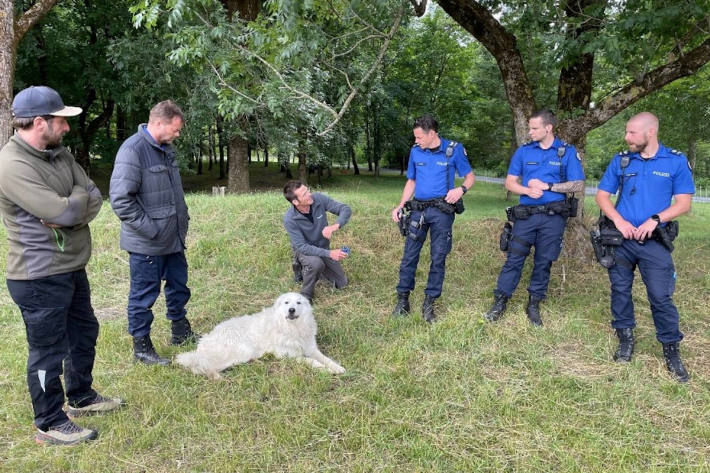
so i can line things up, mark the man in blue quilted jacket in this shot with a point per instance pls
(146, 194)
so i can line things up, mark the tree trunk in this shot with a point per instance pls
(87, 131)
(220, 144)
(353, 158)
(266, 155)
(247, 10)
(302, 167)
(692, 151)
(121, 131)
(238, 165)
(377, 138)
(368, 147)
(210, 143)
(200, 153)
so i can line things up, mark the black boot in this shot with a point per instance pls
(297, 270)
(626, 345)
(428, 309)
(533, 311)
(674, 363)
(182, 332)
(497, 309)
(402, 307)
(144, 352)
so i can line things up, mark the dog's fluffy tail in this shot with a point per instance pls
(197, 364)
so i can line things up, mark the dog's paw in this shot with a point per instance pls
(214, 375)
(337, 369)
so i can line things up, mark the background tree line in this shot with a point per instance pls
(338, 82)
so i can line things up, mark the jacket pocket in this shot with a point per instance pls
(161, 212)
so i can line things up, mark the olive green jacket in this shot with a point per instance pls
(39, 188)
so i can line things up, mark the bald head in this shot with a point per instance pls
(645, 120)
(642, 134)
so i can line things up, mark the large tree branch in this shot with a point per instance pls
(31, 17)
(480, 22)
(684, 66)
(574, 89)
(366, 77)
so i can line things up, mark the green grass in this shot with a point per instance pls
(461, 395)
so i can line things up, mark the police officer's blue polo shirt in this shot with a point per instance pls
(649, 184)
(428, 167)
(530, 161)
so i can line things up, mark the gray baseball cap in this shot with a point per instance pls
(41, 100)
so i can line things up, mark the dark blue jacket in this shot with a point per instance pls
(146, 194)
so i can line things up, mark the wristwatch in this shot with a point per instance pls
(464, 188)
(656, 218)
(550, 184)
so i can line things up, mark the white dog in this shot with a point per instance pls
(287, 329)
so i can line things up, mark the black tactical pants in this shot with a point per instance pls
(61, 327)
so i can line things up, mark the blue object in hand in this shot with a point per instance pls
(346, 250)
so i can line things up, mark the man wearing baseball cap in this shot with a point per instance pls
(47, 202)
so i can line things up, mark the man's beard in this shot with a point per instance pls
(637, 148)
(53, 140)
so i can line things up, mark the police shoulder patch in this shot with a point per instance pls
(675, 151)
(579, 158)
(624, 153)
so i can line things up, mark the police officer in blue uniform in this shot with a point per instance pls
(548, 169)
(430, 179)
(649, 176)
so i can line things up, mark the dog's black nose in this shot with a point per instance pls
(291, 310)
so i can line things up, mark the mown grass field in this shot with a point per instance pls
(461, 395)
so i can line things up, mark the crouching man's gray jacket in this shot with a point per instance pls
(306, 235)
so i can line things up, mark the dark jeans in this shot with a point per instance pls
(147, 272)
(439, 224)
(545, 233)
(61, 327)
(658, 273)
(315, 267)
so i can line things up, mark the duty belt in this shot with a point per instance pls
(440, 203)
(521, 212)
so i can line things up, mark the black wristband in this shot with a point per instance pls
(656, 218)
(464, 188)
(550, 184)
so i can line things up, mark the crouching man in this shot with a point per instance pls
(307, 226)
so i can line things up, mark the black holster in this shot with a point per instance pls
(505, 236)
(605, 238)
(572, 205)
(666, 235)
(610, 236)
(405, 216)
(458, 206)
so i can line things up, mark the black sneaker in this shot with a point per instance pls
(95, 405)
(67, 433)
